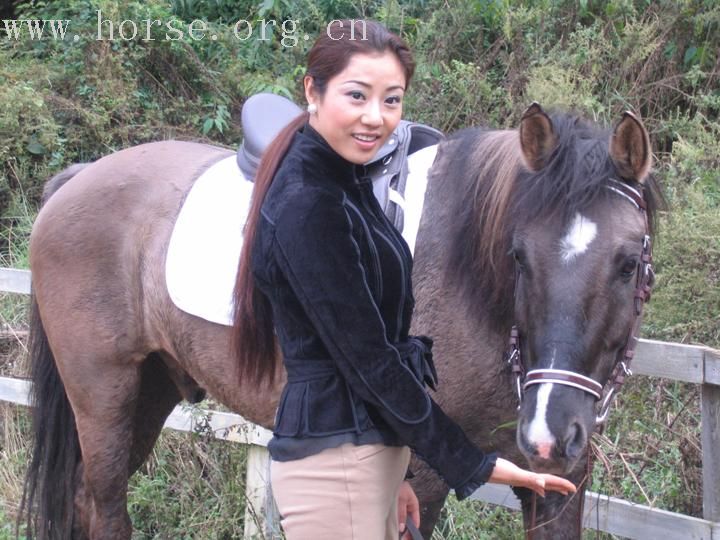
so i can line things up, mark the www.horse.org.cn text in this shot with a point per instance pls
(288, 30)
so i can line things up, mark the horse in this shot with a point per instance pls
(530, 228)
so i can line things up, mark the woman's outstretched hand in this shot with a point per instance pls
(506, 472)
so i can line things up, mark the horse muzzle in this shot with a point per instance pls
(554, 427)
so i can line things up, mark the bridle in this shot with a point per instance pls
(644, 276)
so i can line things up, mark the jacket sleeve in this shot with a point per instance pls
(318, 253)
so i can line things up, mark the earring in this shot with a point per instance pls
(312, 108)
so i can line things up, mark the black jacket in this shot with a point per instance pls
(337, 274)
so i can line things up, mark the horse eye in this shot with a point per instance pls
(628, 269)
(519, 257)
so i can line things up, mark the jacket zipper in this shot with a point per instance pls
(374, 208)
(402, 283)
(373, 251)
(393, 231)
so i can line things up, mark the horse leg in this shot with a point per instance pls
(432, 492)
(104, 412)
(157, 397)
(429, 515)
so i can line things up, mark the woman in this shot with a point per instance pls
(326, 271)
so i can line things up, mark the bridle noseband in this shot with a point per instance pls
(644, 276)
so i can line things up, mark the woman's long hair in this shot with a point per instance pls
(253, 339)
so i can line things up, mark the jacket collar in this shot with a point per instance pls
(316, 151)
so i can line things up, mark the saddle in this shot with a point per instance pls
(264, 115)
(206, 242)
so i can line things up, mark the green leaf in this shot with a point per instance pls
(34, 147)
(690, 55)
(512, 424)
(266, 7)
(670, 50)
(207, 126)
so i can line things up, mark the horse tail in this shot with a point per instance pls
(60, 179)
(48, 497)
(49, 490)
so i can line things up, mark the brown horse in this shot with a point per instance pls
(112, 355)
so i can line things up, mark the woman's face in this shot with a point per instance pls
(361, 107)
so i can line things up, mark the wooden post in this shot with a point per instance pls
(261, 517)
(710, 411)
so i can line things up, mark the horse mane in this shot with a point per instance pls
(504, 194)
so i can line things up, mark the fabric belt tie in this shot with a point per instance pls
(309, 369)
(416, 354)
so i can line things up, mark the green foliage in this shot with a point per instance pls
(191, 487)
(650, 452)
(28, 127)
(458, 93)
(7, 528)
(14, 436)
(686, 303)
(473, 520)
(218, 119)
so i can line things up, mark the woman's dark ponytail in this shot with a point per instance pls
(253, 337)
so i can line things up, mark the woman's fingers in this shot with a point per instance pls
(506, 472)
(408, 504)
(550, 482)
(402, 516)
(415, 512)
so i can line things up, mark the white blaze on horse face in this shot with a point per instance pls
(580, 234)
(539, 431)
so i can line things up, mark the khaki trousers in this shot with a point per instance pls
(349, 493)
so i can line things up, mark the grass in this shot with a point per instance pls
(15, 226)
(191, 487)
(14, 429)
(475, 520)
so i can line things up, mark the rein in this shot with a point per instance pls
(606, 394)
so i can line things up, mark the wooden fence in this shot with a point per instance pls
(686, 363)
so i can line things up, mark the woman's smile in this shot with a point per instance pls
(366, 142)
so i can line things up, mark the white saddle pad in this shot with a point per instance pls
(204, 250)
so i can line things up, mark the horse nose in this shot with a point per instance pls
(575, 440)
(535, 442)
(544, 449)
(570, 445)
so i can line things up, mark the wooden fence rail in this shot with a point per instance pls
(687, 363)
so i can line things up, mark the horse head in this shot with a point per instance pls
(582, 218)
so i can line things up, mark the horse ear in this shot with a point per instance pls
(537, 137)
(630, 148)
